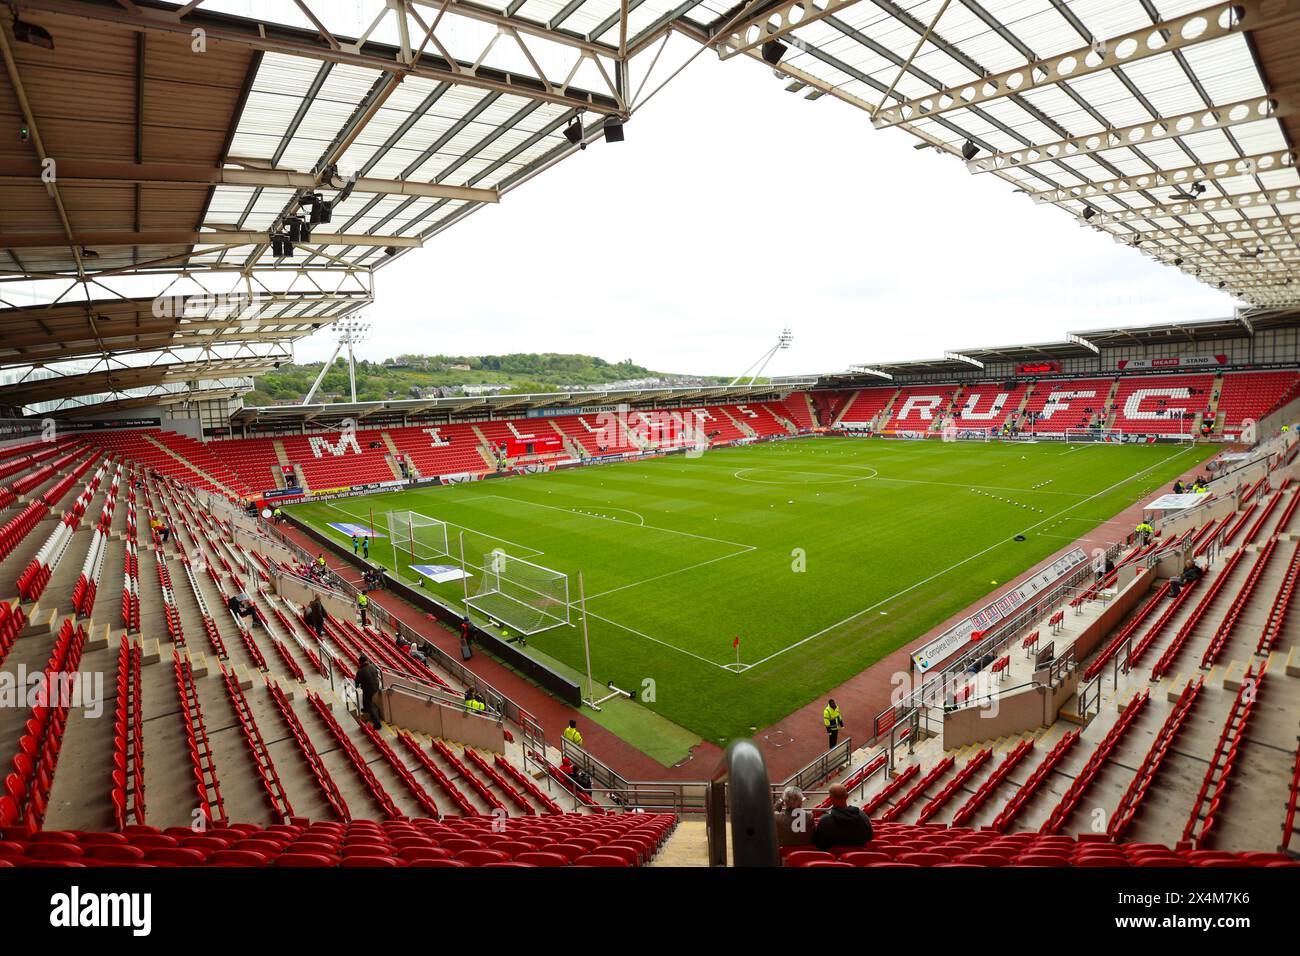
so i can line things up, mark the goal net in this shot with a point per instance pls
(950, 429)
(416, 538)
(521, 595)
(1077, 436)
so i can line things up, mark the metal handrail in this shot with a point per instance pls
(600, 772)
(655, 797)
(1089, 695)
(821, 767)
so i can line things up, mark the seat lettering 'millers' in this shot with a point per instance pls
(923, 405)
(321, 445)
(1133, 407)
(746, 411)
(973, 401)
(435, 438)
(1059, 401)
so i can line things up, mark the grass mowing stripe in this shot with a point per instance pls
(674, 593)
(959, 564)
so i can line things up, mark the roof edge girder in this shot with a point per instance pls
(1217, 21)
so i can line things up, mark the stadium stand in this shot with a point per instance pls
(261, 802)
(244, 468)
(862, 408)
(1165, 405)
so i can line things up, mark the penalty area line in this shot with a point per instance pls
(668, 574)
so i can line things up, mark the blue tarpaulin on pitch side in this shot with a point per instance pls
(440, 573)
(349, 528)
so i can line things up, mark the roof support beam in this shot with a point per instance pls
(82, 172)
(37, 240)
(1271, 197)
(1201, 26)
(1274, 106)
(1245, 231)
(1172, 178)
(272, 37)
(770, 22)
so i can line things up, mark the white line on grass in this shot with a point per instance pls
(956, 484)
(451, 524)
(655, 640)
(939, 574)
(668, 574)
(846, 479)
(648, 527)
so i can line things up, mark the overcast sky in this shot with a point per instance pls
(735, 209)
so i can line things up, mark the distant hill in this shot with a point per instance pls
(424, 376)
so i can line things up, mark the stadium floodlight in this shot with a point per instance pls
(281, 246)
(968, 150)
(352, 331)
(573, 132)
(321, 212)
(782, 342)
(1089, 212)
(522, 596)
(772, 51)
(613, 127)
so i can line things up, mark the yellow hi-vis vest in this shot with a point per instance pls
(831, 717)
(362, 600)
(573, 734)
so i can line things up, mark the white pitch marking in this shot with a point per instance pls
(979, 554)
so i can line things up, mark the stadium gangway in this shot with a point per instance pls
(935, 687)
(1059, 669)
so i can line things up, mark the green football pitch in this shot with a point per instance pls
(822, 555)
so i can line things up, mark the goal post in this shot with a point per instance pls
(1087, 436)
(416, 538)
(521, 595)
(950, 429)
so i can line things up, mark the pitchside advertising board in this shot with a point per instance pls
(959, 636)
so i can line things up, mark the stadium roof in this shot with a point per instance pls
(167, 142)
(1043, 352)
(458, 405)
(1082, 345)
(1171, 126)
(1202, 330)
